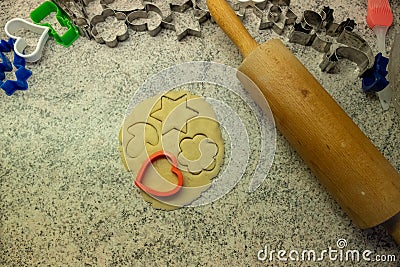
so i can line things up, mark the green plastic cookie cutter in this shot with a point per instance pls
(44, 10)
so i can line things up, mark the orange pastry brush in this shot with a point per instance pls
(379, 19)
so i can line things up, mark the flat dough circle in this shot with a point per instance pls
(184, 125)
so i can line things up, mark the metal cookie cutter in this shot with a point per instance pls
(308, 31)
(338, 51)
(183, 23)
(76, 11)
(181, 5)
(318, 29)
(164, 8)
(185, 19)
(153, 20)
(362, 55)
(44, 10)
(133, 5)
(336, 40)
(276, 18)
(352, 47)
(14, 25)
(186, 23)
(115, 38)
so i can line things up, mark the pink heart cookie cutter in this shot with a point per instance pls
(174, 170)
(14, 25)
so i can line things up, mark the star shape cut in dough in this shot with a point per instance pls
(180, 111)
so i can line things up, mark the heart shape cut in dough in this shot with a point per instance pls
(14, 25)
(174, 169)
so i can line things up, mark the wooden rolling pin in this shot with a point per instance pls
(357, 175)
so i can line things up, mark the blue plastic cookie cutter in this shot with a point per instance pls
(374, 79)
(22, 74)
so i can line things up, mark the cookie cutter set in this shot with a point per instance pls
(318, 30)
(19, 44)
(315, 29)
(182, 16)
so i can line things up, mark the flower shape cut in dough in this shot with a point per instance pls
(197, 154)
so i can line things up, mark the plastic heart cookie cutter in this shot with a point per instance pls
(16, 24)
(174, 169)
(44, 10)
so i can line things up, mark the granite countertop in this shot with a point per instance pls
(66, 199)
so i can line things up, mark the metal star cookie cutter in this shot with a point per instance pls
(112, 42)
(186, 23)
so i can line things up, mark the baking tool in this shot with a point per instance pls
(338, 51)
(84, 27)
(47, 8)
(127, 7)
(275, 18)
(394, 71)
(238, 7)
(164, 7)
(22, 74)
(119, 7)
(186, 23)
(201, 5)
(14, 25)
(360, 47)
(5, 65)
(346, 162)
(338, 42)
(174, 169)
(77, 12)
(111, 42)
(11, 86)
(180, 5)
(379, 19)
(374, 79)
(153, 26)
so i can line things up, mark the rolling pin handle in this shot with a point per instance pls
(223, 14)
(392, 226)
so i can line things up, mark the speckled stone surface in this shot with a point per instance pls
(66, 200)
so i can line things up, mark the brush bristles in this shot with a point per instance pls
(380, 7)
